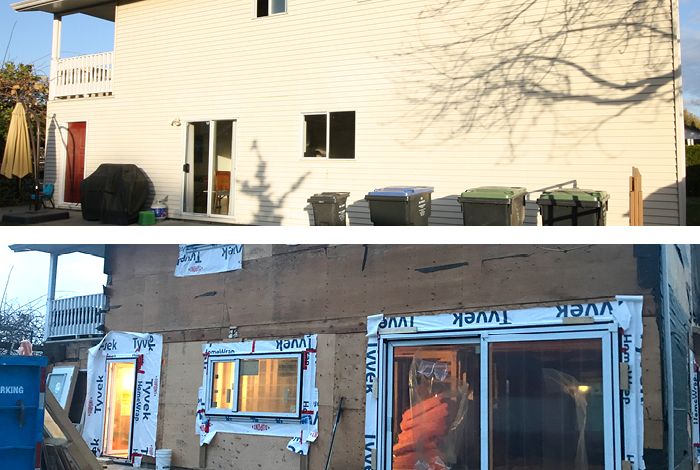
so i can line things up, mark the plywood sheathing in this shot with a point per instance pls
(240, 451)
(340, 371)
(333, 289)
(330, 291)
(651, 383)
(181, 374)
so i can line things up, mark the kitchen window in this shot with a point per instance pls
(257, 386)
(329, 135)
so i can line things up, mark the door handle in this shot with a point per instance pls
(186, 167)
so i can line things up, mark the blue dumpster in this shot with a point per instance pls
(22, 393)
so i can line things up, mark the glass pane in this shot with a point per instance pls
(342, 135)
(222, 385)
(279, 6)
(120, 394)
(546, 405)
(223, 146)
(56, 383)
(268, 385)
(262, 8)
(315, 135)
(436, 407)
(196, 179)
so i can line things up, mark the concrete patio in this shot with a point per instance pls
(75, 219)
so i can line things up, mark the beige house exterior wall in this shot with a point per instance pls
(453, 95)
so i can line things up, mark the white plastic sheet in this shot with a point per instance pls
(194, 260)
(146, 349)
(626, 312)
(302, 431)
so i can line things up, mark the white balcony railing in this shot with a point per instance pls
(83, 75)
(76, 316)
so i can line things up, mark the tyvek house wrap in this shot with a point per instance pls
(147, 350)
(626, 312)
(302, 431)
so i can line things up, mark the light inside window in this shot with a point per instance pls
(223, 385)
(436, 407)
(268, 385)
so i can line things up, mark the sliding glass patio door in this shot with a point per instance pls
(208, 182)
(506, 401)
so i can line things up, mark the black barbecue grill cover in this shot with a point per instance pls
(114, 194)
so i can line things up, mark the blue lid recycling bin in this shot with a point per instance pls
(400, 205)
(22, 394)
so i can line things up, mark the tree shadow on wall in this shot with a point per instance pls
(269, 205)
(506, 68)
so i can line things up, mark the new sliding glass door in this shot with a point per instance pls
(208, 183)
(505, 401)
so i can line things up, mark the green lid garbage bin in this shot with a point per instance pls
(329, 208)
(493, 205)
(400, 205)
(574, 207)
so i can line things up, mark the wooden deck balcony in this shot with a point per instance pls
(82, 76)
(76, 317)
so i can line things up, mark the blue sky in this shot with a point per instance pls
(28, 272)
(690, 52)
(31, 41)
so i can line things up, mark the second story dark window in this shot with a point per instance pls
(270, 7)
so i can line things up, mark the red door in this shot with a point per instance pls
(75, 160)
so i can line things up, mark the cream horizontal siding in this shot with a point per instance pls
(199, 60)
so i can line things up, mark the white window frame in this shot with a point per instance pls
(213, 123)
(328, 135)
(209, 410)
(607, 332)
(111, 360)
(269, 9)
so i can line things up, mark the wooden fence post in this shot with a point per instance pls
(636, 199)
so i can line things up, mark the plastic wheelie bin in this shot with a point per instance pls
(493, 205)
(574, 207)
(400, 205)
(329, 208)
(22, 397)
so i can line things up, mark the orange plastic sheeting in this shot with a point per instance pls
(422, 427)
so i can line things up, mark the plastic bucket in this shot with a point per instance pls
(163, 457)
(160, 210)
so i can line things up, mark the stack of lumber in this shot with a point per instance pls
(422, 428)
(66, 450)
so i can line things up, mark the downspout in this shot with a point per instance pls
(668, 369)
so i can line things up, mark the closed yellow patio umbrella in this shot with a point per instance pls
(17, 159)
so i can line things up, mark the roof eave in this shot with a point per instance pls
(59, 249)
(97, 8)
